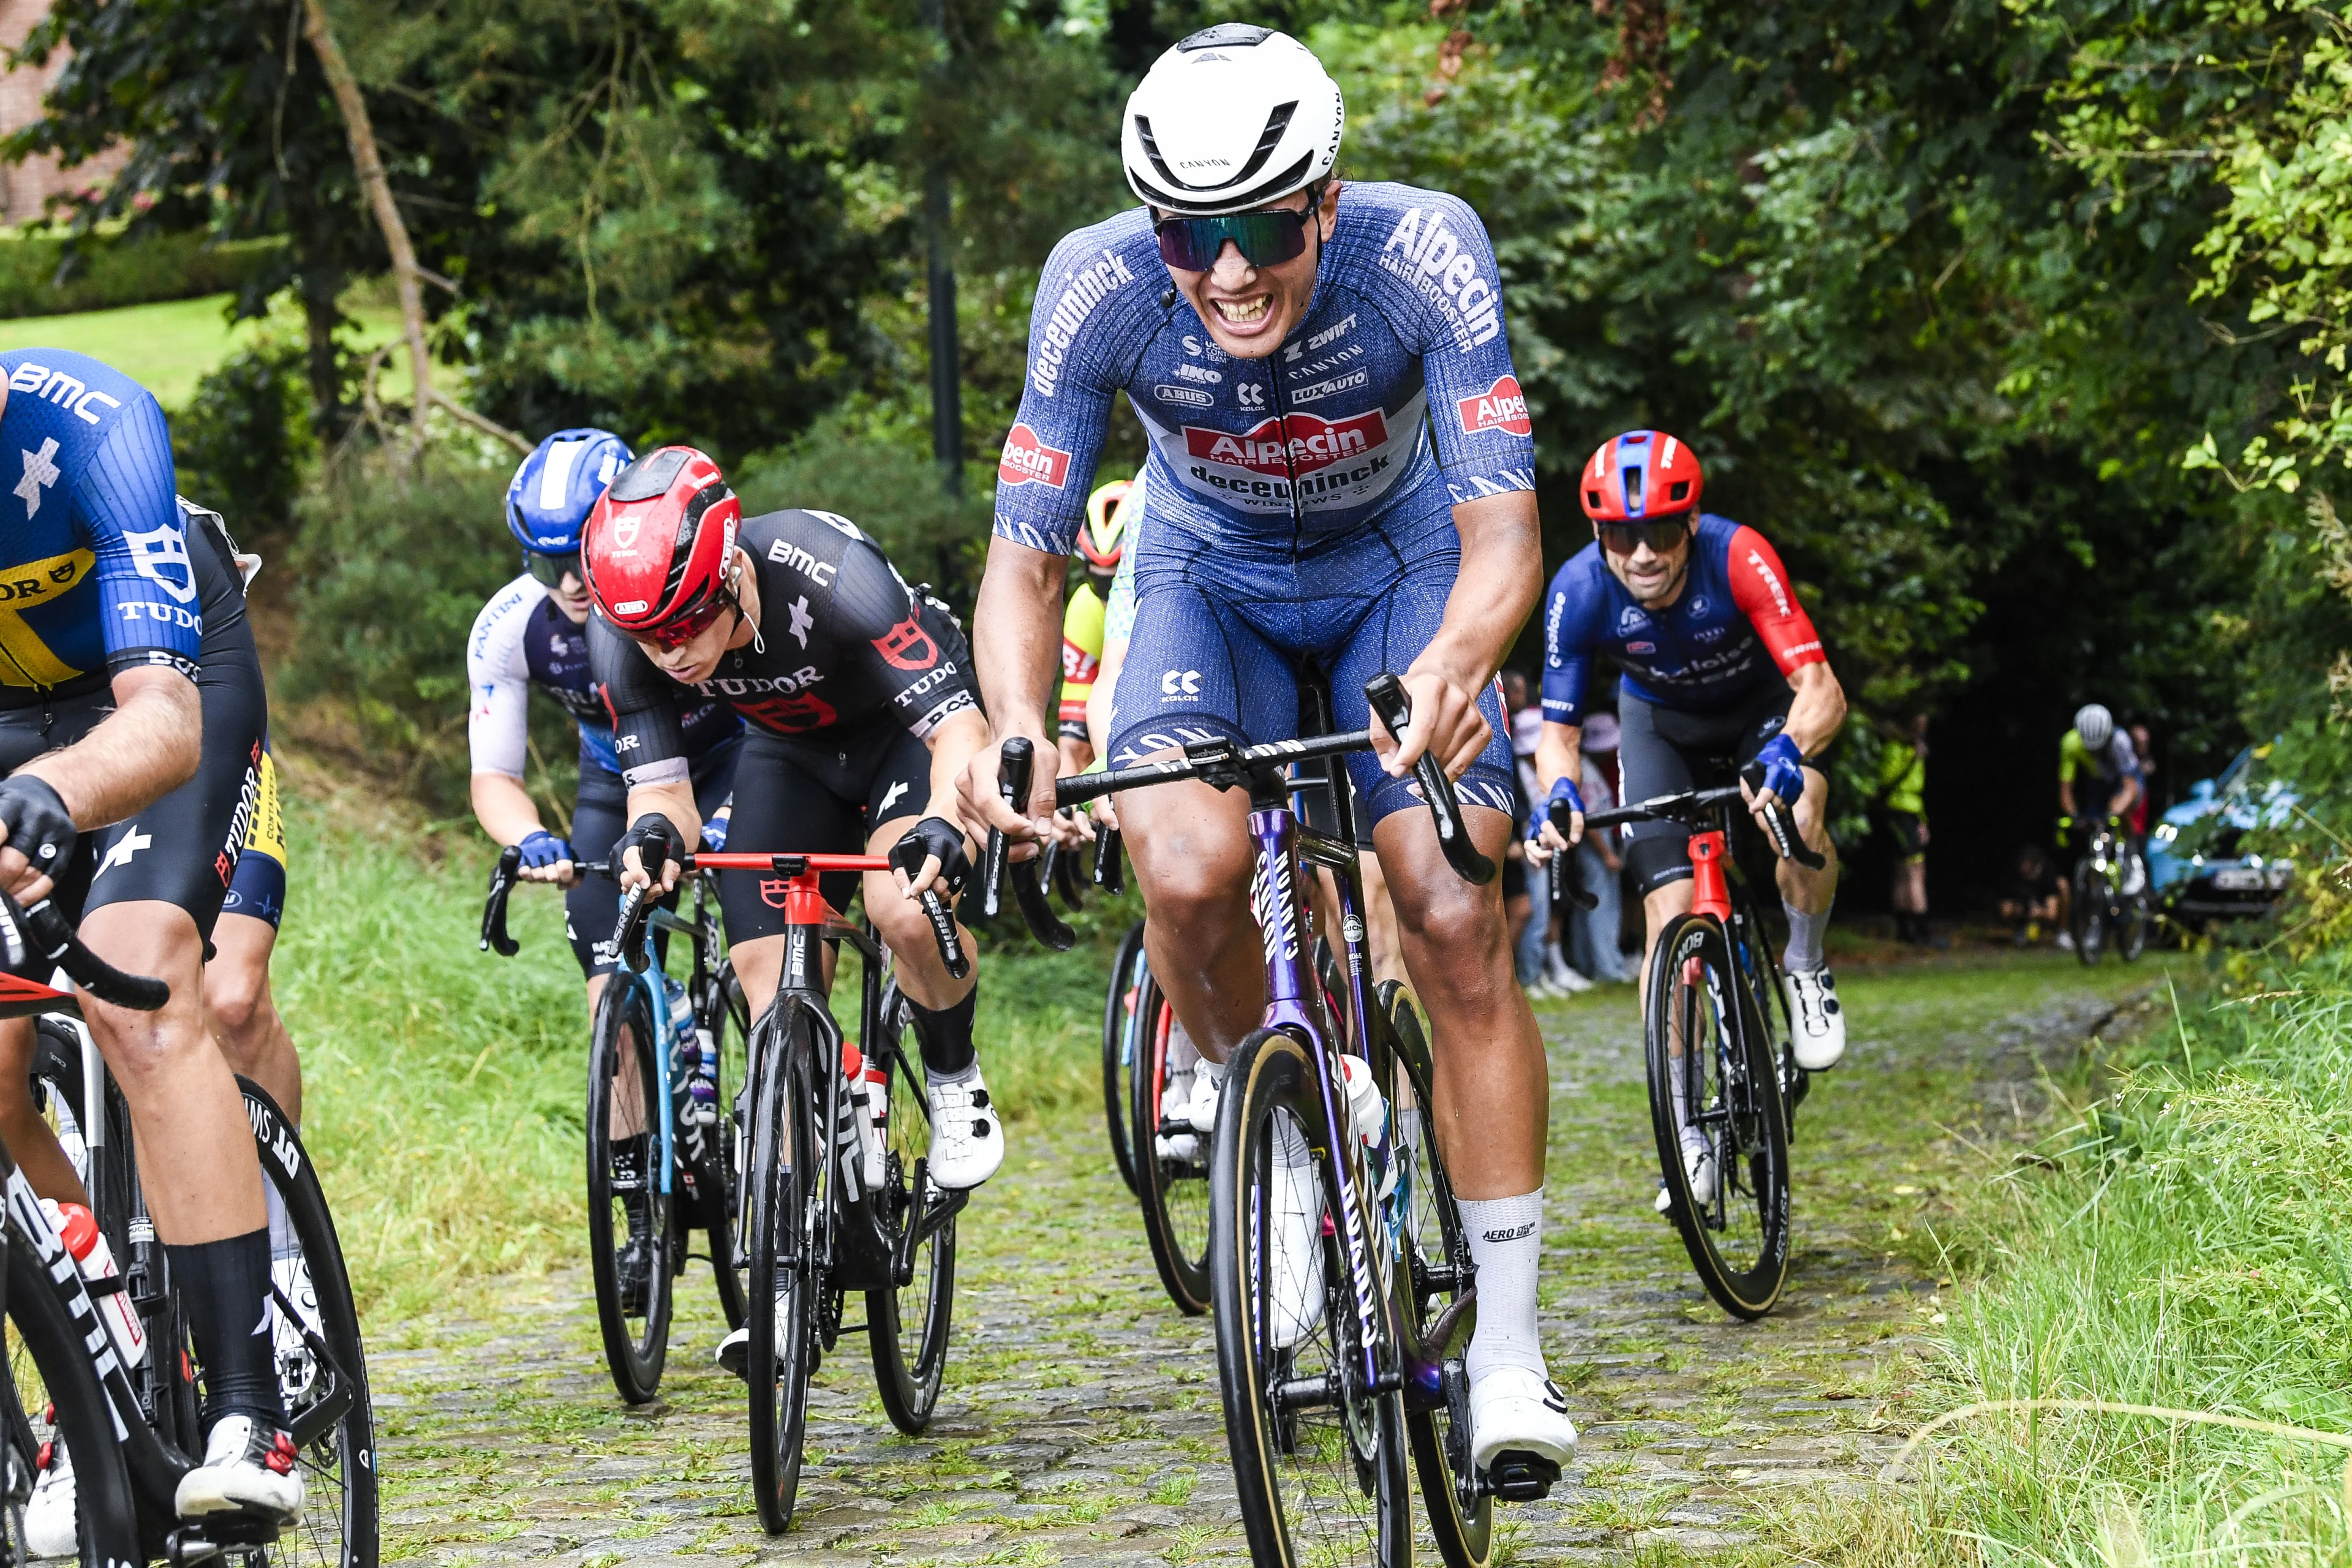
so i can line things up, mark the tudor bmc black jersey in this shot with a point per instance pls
(846, 651)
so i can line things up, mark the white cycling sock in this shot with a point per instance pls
(1805, 952)
(1182, 1054)
(283, 1242)
(1507, 1244)
(1290, 1150)
(1678, 1079)
(971, 1074)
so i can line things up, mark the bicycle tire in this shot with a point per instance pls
(1297, 1501)
(1118, 1062)
(45, 1346)
(1736, 1101)
(1437, 1257)
(1173, 1194)
(791, 1184)
(636, 1344)
(909, 1325)
(336, 1447)
(731, 1026)
(2087, 915)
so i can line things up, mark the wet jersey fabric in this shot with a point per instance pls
(1395, 396)
(846, 651)
(95, 575)
(1735, 625)
(523, 639)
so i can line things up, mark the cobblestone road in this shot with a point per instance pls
(1080, 1423)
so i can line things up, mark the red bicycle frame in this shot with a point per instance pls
(1713, 894)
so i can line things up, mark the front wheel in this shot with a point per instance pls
(1319, 1466)
(2086, 915)
(630, 1235)
(1118, 1048)
(789, 1181)
(1717, 1111)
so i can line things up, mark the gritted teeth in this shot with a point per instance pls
(1240, 312)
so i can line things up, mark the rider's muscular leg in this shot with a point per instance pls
(244, 1014)
(1193, 857)
(1492, 1084)
(197, 1163)
(22, 1128)
(1806, 895)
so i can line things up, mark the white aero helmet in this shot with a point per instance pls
(1231, 119)
(2094, 724)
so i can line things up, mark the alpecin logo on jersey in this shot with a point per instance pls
(1300, 444)
(1027, 459)
(1502, 406)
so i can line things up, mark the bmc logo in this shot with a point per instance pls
(1300, 444)
(1026, 458)
(1502, 406)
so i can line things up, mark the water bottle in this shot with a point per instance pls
(702, 1080)
(1368, 1113)
(849, 1123)
(86, 1244)
(681, 1006)
(876, 1122)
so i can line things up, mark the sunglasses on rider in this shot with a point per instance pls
(1660, 533)
(552, 569)
(1266, 238)
(685, 628)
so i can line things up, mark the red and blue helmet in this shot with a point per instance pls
(549, 499)
(1640, 475)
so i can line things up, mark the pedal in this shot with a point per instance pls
(218, 1534)
(1518, 1476)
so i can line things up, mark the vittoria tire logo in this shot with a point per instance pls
(1280, 448)
(1502, 406)
(1026, 459)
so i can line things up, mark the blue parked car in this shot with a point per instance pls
(2194, 859)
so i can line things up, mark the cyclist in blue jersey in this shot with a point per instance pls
(533, 633)
(1341, 476)
(132, 715)
(1721, 666)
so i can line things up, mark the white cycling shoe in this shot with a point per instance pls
(735, 1349)
(1698, 1164)
(1520, 1431)
(1294, 1295)
(967, 1140)
(249, 1468)
(52, 1527)
(1206, 1092)
(1176, 1105)
(1816, 1020)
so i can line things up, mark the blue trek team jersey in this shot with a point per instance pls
(1394, 395)
(95, 576)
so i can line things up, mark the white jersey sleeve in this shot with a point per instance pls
(498, 725)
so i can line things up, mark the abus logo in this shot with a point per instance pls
(1298, 444)
(1502, 406)
(1026, 458)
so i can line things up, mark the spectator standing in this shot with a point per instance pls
(1903, 796)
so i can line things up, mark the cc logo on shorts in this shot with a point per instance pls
(1181, 683)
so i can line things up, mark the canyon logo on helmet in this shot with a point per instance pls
(659, 546)
(1640, 475)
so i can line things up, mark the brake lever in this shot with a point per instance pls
(1781, 823)
(1110, 872)
(943, 931)
(1387, 696)
(494, 913)
(1061, 876)
(1014, 759)
(628, 934)
(1561, 887)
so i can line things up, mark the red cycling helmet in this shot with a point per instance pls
(659, 543)
(1640, 475)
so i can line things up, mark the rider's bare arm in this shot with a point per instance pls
(1017, 644)
(1817, 711)
(1493, 591)
(148, 747)
(1560, 754)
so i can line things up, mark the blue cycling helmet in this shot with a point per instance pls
(549, 500)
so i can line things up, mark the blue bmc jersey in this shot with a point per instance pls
(1393, 398)
(95, 576)
(1736, 624)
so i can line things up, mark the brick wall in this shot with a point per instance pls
(24, 187)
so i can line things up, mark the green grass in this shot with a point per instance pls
(168, 347)
(444, 1086)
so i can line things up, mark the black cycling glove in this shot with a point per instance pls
(934, 836)
(39, 826)
(654, 839)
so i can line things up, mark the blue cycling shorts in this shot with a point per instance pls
(1221, 628)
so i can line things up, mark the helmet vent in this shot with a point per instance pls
(1593, 499)
(1679, 491)
(650, 476)
(1634, 490)
(1226, 36)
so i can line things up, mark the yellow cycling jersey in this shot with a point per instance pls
(1082, 645)
(265, 834)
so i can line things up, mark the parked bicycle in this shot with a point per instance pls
(1714, 1009)
(127, 1419)
(2108, 895)
(867, 1220)
(1321, 1415)
(645, 1201)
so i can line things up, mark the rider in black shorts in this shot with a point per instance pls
(859, 696)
